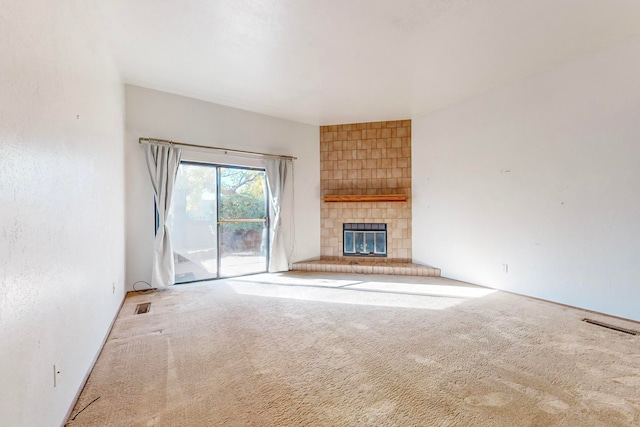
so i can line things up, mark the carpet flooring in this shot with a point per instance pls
(323, 349)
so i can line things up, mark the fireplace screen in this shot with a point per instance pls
(364, 239)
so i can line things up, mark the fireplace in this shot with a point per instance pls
(364, 239)
(373, 160)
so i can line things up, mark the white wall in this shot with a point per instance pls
(162, 115)
(61, 204)
(542, 175)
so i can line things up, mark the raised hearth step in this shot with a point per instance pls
(367, 266)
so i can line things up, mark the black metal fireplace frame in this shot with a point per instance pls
(364, 227)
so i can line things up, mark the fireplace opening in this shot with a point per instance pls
(364, 239)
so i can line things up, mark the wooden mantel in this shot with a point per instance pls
(371, 198)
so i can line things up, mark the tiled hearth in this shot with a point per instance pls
(366, 266)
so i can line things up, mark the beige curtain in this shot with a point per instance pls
(278, 180)
(163, 162)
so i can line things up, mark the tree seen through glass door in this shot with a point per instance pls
(243, 221)
(218, 230)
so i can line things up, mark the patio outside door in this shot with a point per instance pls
(218, 222)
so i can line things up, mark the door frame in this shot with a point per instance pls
(267, 219)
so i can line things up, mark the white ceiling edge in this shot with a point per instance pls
(327, 62)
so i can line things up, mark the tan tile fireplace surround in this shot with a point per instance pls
(366, 159)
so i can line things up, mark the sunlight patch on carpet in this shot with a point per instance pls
(423, 289)
(344, 296)
(282, 279)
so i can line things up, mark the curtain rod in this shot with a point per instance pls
(226, 150)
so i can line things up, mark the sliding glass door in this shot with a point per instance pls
(242, 221)
(218, 222)
(193, 223)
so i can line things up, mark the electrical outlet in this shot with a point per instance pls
(56, 372)
(505, 268)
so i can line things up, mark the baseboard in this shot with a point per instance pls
(586, 310)
(93, 364)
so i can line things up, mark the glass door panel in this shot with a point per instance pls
(243, 226)
(193, 221)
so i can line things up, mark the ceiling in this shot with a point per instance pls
(343, 61)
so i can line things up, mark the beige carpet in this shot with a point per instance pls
(322, 349)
